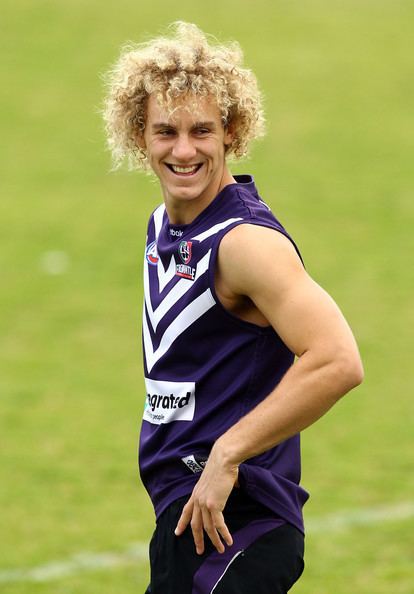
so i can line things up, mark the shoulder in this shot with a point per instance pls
(251, 235)
(252, 255)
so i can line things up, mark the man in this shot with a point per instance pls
(228, 305)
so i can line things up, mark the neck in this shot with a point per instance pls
(183, 212)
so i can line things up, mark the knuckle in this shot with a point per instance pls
(210, 505)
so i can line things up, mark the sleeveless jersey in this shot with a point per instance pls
(204, 367)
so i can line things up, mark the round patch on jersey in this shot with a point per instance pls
(185, 250)
(151, 254)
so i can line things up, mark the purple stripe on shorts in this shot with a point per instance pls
(216, 565)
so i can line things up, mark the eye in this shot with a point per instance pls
(166, 132)
(201, 131)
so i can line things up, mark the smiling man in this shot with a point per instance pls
(186, 150)
(228, 306)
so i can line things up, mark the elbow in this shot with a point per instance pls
(355, 374)
(350, 371)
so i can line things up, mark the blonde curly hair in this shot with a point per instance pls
(171, 68)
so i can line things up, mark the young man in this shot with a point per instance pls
(228, 305)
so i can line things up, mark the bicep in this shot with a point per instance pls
(263, 265)
(304, 315)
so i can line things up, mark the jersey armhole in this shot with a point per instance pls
(213, 264)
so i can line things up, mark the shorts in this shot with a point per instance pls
(266, 556)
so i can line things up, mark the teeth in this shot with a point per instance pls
(178, 169)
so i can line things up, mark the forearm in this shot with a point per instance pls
(307, 391)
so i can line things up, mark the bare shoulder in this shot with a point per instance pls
(251, 256)
(263, 265)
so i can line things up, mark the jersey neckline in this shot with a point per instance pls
(177, 232)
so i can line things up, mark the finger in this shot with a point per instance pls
(197, 530)
(210, 528)
(185, 518)
(221, 527)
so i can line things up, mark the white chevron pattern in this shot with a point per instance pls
(189, 314)
(215, 229)
(164, 276)
(176, 292)
(158, 216)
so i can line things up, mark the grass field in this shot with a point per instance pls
(336, 166)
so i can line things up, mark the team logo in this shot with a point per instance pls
(185, 251)
(151, 254)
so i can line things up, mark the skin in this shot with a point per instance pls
(186, 139)
(260, 279)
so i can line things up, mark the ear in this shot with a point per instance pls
(228, 135)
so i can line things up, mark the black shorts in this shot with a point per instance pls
(266, 556)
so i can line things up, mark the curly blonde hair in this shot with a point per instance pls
(171, 68)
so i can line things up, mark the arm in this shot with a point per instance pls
(262, 264)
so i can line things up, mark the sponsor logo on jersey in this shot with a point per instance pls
(176, 232)
(169, 401)
(151, 254)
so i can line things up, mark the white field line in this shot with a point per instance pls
(138, 552)
(360, 517)
(78, 563)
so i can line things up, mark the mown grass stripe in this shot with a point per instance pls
(81, 562)
(138, 552)
(357, 517)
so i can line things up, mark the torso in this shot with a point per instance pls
(205, 369)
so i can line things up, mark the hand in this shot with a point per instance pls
(204, 509)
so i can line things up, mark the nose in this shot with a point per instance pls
(183, 148)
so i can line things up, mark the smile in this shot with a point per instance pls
(182, 170)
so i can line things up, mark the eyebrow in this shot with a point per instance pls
(204, 125)
(159, 125)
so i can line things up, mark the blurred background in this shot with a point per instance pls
(337, 168)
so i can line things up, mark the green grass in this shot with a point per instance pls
(336, 166)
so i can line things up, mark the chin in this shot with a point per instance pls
(186, 194)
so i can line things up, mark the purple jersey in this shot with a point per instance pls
(204, 367)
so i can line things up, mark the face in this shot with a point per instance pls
(187, 153)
